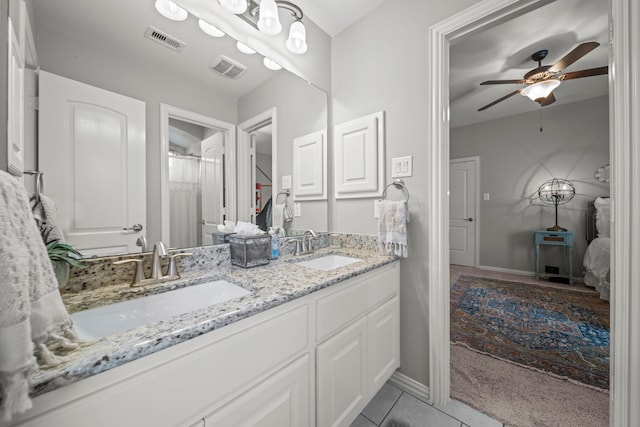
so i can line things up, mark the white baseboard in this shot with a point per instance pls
(507, 270)
(411, 386)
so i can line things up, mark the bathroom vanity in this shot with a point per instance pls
(306, 347)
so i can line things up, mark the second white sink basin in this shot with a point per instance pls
(329, 262)
(102, 321)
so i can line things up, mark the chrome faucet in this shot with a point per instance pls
(159, 252)
(307, 237)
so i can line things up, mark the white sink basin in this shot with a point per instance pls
(102, 321)
(328, 262)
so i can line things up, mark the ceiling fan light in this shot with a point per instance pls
(171, 10)
(269, 21)
(297, 41)
(244, 48)
(540, 90)
(271, 64)
(234, 6)
(210, 29)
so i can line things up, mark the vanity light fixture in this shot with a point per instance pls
(171, 10)
(212, 30)
(265, 17)
(271, 64)
(244, 48)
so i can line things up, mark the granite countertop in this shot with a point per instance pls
(276, 283)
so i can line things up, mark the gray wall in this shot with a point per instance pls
(300, 109)
(380, 63)
(516, 158)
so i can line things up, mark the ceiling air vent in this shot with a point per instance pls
(164, 39)
(227, 67)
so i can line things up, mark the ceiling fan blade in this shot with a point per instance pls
(577, 53)
(586, 73)
(548, 100)
(502, 82)
(500, 100)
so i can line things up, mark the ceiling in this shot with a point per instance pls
(503, 52)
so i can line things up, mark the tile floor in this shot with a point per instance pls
(393, 407)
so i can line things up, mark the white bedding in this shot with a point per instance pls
(596, 263)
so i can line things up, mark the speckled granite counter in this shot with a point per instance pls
(271, 285)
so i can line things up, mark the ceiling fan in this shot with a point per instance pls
(542, 80)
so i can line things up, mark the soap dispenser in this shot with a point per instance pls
(274, 243)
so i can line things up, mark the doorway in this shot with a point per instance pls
(464, 210)
(442, 35)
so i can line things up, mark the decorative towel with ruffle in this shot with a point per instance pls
(46, 216)
(33, 320)
(392, 228)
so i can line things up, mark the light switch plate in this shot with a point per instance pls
(297, 209)
(401, 167)
(286, 182)
(376, 208)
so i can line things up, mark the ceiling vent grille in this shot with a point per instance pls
(227, 67)
(164, 39)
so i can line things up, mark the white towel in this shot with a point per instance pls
(392, 228)
(281, 215)
(46, 215)
(32, 315)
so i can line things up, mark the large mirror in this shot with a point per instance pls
(104, 45)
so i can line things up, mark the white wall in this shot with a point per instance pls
(516, 158)
(380, 63)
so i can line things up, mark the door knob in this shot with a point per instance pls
(470, 219)
(135, 227)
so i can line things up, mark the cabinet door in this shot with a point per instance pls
(341, 375)
(384, 343)
(280, 401)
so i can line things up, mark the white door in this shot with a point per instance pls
(462, 211)
(213, 209)
(92, 152)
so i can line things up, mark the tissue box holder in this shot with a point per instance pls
(250, 251)
(220, 237)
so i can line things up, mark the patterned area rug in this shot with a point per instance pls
(562, 332)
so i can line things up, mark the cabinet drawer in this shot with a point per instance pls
(354, 298)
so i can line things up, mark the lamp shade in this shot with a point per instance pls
(210, 29)
(269, 21)
(234, 6)
(556, 192)
(297, 41)
(170, 10)
(540, 90)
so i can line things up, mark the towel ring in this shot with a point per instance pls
(399, 184)
(286, 193)
(39, 183)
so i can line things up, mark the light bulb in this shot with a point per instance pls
(210, 29)
(170, 10)
(297, 41)
(540, 90)
(268, 20)
(234, 6)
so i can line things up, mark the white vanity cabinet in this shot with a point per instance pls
(354, 363)
(316, 360)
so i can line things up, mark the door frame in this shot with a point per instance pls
(245, 171)
(476, 207)
(170, 112)
(624, 101)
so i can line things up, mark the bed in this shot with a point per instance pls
(597, 256)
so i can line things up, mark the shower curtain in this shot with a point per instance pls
(184, 200)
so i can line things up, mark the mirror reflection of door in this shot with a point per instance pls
(196, 182)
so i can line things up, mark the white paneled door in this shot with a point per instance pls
(92, 152)
(213, 209)
(462, 211)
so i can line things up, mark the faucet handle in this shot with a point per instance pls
(173, 269)
(139, 274)
(297, 242)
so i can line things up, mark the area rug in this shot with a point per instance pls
(521, 397)
(558, 331)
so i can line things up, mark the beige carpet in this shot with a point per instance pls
(522, 397)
